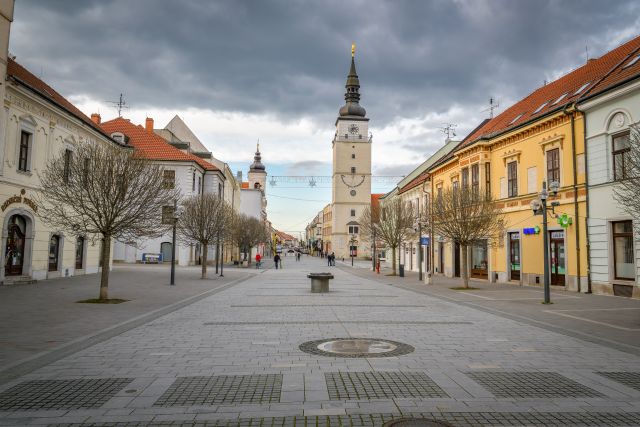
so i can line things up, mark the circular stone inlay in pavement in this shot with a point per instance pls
(356, 347)
(416, 422)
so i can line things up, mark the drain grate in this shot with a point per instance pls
(381, 385)
(356, 347)
(222, 389)
(630, 379)
(61, 394)
(531, 384)
(416, 422)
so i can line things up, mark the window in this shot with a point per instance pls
(86, 168)
(23, 157)
(515, 119)
(353, 156)
(199, 184)
(465, 177)
(512, 179)
(167, 215)
(624, 268)
(54, 249)
(353, 212)
(563, 96)
(540, 107)
(68, 157)
(487, 179)
(553, 166)
(475, 178)
(219, 191)
(168, 179)
(620, 148)
(581, 88)
(456, 185)
(353, 169)
(439, 194)
(193, 182)
(633, 61)
(79, 252)
(354, 229)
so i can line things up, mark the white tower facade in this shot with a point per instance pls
(351, 178)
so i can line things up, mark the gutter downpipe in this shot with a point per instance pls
(576, 208)
(586, 186)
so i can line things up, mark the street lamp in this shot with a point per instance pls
(539, 207)
(176, 216)
(352, 242)
(429, 214)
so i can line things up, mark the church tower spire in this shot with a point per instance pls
(352, 106)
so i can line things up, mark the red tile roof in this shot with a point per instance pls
(245, 185)
(415, 182)
(151, 145)
(593, 77)
(21, 75)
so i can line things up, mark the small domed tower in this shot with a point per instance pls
(257, 172)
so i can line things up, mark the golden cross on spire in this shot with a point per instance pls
(353, 50)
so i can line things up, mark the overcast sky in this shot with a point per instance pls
(239, 71)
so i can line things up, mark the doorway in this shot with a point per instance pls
(165, 249)
(440, 257)
(456, 257)
(557, 257)
(14, 250)
(514, 256)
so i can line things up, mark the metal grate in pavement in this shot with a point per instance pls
(328, 305)
(630, 379)
(61, 394)
(365, 322)
(458, 419)
(531, 384)
(380, 385)
(222, 389)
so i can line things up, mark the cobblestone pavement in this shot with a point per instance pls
(233, 359)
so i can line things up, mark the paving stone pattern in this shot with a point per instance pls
(61, 394)
(188, 391)
(311, 347)
(315, 322)
(380, 385)
(630, 379)
(531, 384)
(456, 419)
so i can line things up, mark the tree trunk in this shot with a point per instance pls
(104, 277)
(205, 248)
(393, 259)
(465, 265)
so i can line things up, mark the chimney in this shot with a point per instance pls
(95, 118)
(149, 125)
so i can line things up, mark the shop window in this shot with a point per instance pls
(624, 265)
(480, 260)
(620, 150)
(54, 249)
(553, 166)
(512, 179)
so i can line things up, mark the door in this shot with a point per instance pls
(79, 252)
(165, 248)
(54, 252)
(440, 257)
(456, 256)
(14, 251)
(557, 257)
(514, 256)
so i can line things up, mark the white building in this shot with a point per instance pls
(614, 249)
(351, 177)
(191, 174)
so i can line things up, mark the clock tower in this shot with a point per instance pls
(351, 179)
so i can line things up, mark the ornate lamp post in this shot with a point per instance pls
(176, 216)
(539, 207)
(352, 242)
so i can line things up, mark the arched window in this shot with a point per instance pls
(14, 251)
(256, 185)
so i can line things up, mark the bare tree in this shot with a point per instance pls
(627, 173)
(465, 216)
(394, 224)
(202, 219)
(104, 191)
(368, 222)
(246, 233)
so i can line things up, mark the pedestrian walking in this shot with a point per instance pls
(333, 258)
(258, 259)
(329, 260)
(276, 260)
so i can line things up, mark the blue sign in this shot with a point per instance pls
(531, 230)
(424, 241)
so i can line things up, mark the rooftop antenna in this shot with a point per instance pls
(120, 104)
(493, 105)
(586, 49)
(448, 129)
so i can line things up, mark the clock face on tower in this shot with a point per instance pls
(353, 129)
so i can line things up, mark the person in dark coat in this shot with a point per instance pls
(276, 260)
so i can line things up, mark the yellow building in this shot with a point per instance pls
(539, 139)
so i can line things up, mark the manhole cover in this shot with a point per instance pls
(356, 347)
(416, 422)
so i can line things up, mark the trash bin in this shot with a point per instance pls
(401, 270)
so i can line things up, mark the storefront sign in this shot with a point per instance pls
(531, 230)
(424, 241)
(20, 199)
(557, 234)
(564, 220)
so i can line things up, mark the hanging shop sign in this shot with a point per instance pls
(424, 241)
(19, 199)
(564, 220)
(531, 230)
